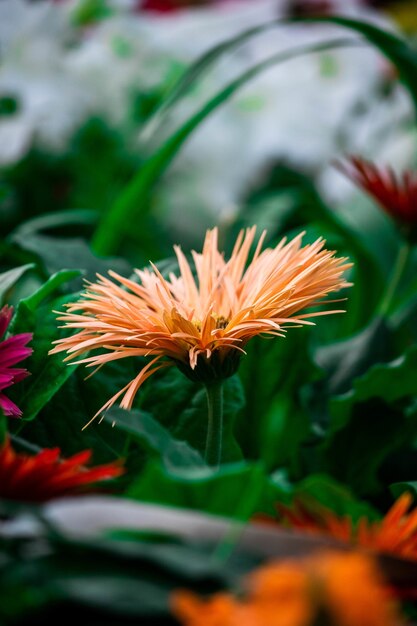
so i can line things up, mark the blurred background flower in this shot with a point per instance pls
(43, 476)
(81, 77)
(13, 350)
(330, 588)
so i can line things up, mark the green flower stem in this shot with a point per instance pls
(213, 452)
(399, 267)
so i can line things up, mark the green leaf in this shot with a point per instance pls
(142, 426)
(35, 314)
(237, 490)
(185, 414)
(53, 283)
(105, 581)
(410, 486)
(274, 423)
(61, 421)
(8, 279)
(390, 382)
(111, 230)
(196, 70)
(73, 253)
(345, 360)
(375, 419)
(55, 220)
(397, 50)
(113, 226)
(334, 496)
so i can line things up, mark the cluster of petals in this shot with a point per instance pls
(44, 476)
(395, 533)
(396, 194)
(185, 320)
(12, 350)
(329, 588)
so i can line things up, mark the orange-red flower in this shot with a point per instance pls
(330, 588)
(396, 533)
(201, 324)
(43, 476)
(397, 195)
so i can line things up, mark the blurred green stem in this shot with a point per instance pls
(214, 439)
(395, 279)
(3, 427)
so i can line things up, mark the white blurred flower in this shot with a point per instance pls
(34, 38)
(303, 112)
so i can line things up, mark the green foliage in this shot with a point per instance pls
(237, 491)
(115, 224)
(8, 279)
(48, 373)
(185, 415)
(328, 414)
(371, 422)
(104, 581)
(274, 422)
(142, 426)
(334, 496)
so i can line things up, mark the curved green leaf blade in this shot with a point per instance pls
(118, 220)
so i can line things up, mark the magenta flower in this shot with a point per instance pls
(12, 351)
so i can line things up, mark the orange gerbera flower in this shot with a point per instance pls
(330, 588)
(43, 476)
(201, 325)
(396, 533)
(397, 195)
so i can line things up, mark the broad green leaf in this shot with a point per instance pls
(334, 496)
(274, 423)
(142, 426)
(112, 580)
(8, 279)
(63, 419)
(55, 220)
(238, 491)
(73, 253)
(53, 283)
(185, 414)
(345, 360)
(35, 314)
(376, 419)
(390, 382)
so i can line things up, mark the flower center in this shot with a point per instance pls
(220, 320)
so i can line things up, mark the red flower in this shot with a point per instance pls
(166, 6)
(12, 351)
(397, 195)
(395, 533)
(171, 6)
(43, 476)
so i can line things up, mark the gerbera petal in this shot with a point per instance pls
(187, 321)
(8, 407)
(40, 477)
(396, 194)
